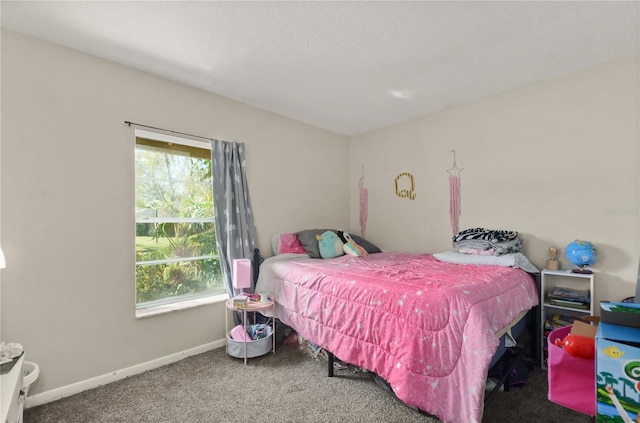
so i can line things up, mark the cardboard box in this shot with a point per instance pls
(617, 373)
(583, 329)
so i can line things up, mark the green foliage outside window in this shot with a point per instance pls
(176, 252)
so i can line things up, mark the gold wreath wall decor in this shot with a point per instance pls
(406, 193)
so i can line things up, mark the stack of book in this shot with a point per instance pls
(557, 321)
(572, 298)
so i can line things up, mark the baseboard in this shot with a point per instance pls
(75, 388)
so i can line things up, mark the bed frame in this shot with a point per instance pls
(508, 359)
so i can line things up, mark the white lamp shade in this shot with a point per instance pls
(3, 264)
(241, 273)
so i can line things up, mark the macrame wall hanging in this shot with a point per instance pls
(454, 193)
(364, 200)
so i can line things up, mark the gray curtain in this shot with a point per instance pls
(235, 229)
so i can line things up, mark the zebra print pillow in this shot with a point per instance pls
(485, 235)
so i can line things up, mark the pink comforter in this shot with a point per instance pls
(427, 327)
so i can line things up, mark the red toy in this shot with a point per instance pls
(578, 346)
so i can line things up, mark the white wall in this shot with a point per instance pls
(556, 160)
(67, 197)
(67, 203)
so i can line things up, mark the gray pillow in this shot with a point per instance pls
(371, 248)
(310, 242)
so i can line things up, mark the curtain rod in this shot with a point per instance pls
(166, 130)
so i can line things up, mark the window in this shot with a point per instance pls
(176, 252)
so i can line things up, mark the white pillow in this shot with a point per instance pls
(518, 260)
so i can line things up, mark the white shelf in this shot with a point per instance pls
(568, 279)
(569, 273)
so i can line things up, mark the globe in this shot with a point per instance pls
(582, 254)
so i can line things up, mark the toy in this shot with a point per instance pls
(579, 346)
(330, 245)
(617, 373)
(352, 248)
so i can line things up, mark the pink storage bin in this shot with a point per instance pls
(571, 379)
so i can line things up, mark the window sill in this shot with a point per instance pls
(182, 305)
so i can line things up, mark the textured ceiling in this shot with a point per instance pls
(349, 67)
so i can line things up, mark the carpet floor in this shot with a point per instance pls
(288, 386)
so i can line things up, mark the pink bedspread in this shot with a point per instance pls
(427, 327)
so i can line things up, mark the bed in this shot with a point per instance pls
(428, 328)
